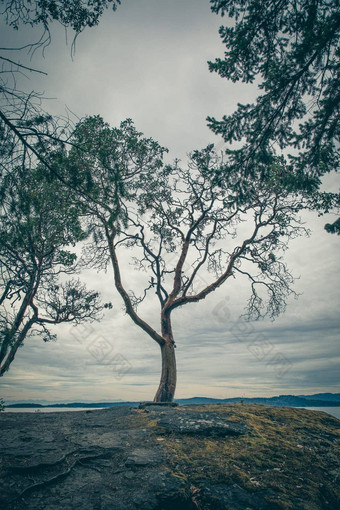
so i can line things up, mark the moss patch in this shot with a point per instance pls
(292, 452)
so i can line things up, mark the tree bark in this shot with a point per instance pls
(167, 385)
(16, 345)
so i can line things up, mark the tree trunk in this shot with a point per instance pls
(19, 341)
(167, 385)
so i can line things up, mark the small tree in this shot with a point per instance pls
(37, 224)
(180, 222)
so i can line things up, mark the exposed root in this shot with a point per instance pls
(82, 461)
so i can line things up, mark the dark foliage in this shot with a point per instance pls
(76, 14)
(291, 48)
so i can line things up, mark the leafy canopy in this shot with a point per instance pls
(38, 226)
(76, 14)
(24, 126)
(183, 220)
(291, 48)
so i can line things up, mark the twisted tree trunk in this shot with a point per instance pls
(167, 385)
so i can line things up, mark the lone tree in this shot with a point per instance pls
(179, 223)
(38, 224)
(291, 47)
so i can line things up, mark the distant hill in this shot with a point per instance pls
(282, 400)
(25, 404)
(317, 400)
(329, 397)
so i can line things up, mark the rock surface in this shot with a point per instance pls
(104, 459)
(127, 459)
(198, 423)
(155, 405)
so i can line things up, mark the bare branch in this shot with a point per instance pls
(127, 301)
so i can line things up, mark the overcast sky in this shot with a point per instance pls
(148, 61)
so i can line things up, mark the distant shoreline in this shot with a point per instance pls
(331, 410)
(317, 400)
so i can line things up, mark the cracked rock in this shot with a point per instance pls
(144, 457)
(206, 424)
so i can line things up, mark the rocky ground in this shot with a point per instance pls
(230, 457)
